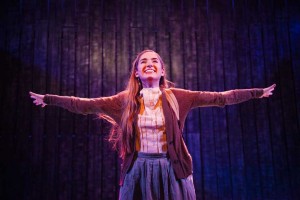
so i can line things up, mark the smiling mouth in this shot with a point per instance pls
(149, 70)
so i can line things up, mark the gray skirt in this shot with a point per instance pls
(152, 177)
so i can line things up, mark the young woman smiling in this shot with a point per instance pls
(148, 118)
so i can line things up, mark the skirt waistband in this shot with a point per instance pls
(151, 155)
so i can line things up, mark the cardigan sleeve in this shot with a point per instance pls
(203, 98)
(110, 106)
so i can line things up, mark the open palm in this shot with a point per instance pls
(38, 99)
(268, 91)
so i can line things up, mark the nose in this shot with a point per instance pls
(149, 65)
(149, 62)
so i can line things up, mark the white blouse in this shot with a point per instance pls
(151, 135)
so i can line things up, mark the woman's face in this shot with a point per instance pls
(149, 69)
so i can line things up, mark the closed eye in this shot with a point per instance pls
(143, 60)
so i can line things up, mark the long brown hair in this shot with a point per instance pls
(122, 136)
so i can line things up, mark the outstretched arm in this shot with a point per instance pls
(203, 99)
(110, 106)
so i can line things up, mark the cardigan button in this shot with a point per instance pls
(171, 142)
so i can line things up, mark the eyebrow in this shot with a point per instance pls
(147, 59)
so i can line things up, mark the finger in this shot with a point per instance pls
(33, 97)
(270, 87)
(38, 102)
(273, 86)
(32, 93)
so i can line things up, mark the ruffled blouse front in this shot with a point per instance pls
(151, 135)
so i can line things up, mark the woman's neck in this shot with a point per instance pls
(150, 84)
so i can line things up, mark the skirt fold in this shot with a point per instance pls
(152, 178)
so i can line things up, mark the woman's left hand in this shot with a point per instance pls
(268, 91)
(38, 99)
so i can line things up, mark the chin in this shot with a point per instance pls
(151, 78)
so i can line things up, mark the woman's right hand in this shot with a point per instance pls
(38, 99)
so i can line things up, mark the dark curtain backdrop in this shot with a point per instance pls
(85, 48)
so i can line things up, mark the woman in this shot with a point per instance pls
(148, 118)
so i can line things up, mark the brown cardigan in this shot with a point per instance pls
(178, 153)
